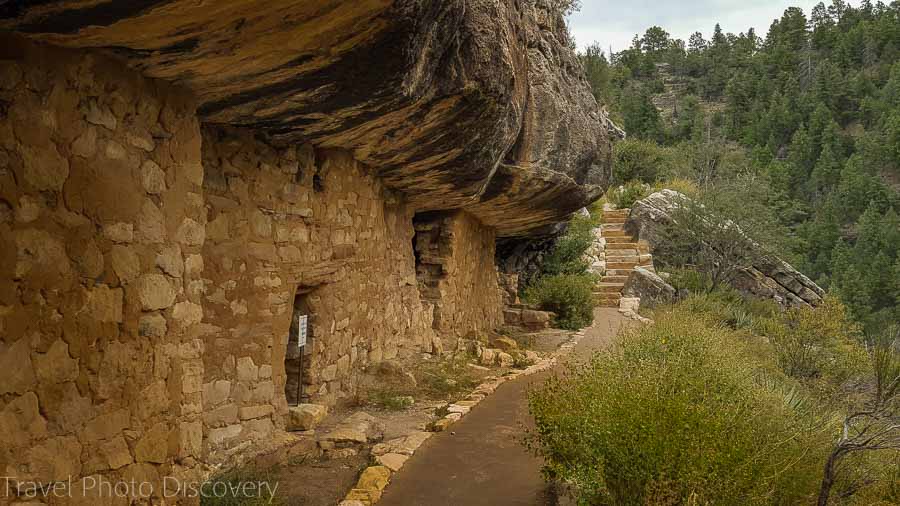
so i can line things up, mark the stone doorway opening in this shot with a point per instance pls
(297, 356)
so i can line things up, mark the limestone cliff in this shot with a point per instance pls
(474, 104)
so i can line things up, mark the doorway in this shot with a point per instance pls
(297, 355)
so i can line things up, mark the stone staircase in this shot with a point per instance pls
(623, 254)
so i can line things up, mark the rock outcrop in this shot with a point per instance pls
(459, 104)
(649, 287)
(769, 277)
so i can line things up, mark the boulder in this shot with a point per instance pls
(768, 277)
(306, 416)
(505, 343)
(486, 102)
(649, 287)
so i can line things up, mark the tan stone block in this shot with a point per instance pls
(306, 416)
(261, 224)
(125, 263)
(29, 209)
(392, 461)
(155, 292)
(119, 232)
(171, 261)
(151, 228)
(219, 229)
(154, 399)
(153, 178)
(246, 369)
(221, 416)
(152, 325)
(259, 427)
(263, 392)
(190, 438)
(193, 265)
(104, 304)
(218, 436)
(56, 366)
(18, 371)
(140, 138)
(85, 145)
(216, 392)
(106, 426)
(44, 167)
(190, 233)
(21, 422)
(88, 258)
(54, 459)
(116, 453)
(250, 412)
(101, 115)
(37, 252)
(115, 151)
(153, 446)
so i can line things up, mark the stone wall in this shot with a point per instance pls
(150, 265)
(101, 224)
(456, 272)
(299, 219)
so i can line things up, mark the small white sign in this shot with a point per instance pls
(302, 321)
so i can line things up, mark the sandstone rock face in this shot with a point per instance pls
(474, 104)
(769, 277)
(649, 287)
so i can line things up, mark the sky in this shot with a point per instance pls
(616, 22)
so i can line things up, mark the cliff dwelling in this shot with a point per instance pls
(178, 180)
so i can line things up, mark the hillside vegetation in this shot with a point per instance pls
(802, 127)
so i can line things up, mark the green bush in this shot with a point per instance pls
(636, 159)
(568, 295)
(629, 193)
(675, 413)
(816, 343)
(567, 255)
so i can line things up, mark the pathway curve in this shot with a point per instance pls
(483, 462)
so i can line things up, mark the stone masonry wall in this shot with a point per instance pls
(101, 225)
(287, 220)
(456, 272)
(149, 268)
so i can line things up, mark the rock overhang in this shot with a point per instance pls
(479, 105)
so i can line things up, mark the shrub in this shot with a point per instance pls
(816, 343)
(568, 295)
(637, 160)
(567, 255)
(674, 414)
(626, 195)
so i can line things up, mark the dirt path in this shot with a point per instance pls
(483, 461)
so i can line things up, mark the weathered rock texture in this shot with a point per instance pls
(649, 287)
(769, 276)
(456, 272)
(461, 103)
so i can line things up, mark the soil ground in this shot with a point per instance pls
(482, 461)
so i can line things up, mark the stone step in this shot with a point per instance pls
(617, 252)
(619, 272)
(607, 303)
(619, 213)
(614, 279)
(624, 239)
(621, 265)
(608, 287)
(613, 219)
(608, 234)
(612, 226)
(621, 245)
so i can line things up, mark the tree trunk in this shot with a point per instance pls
(828, 478)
